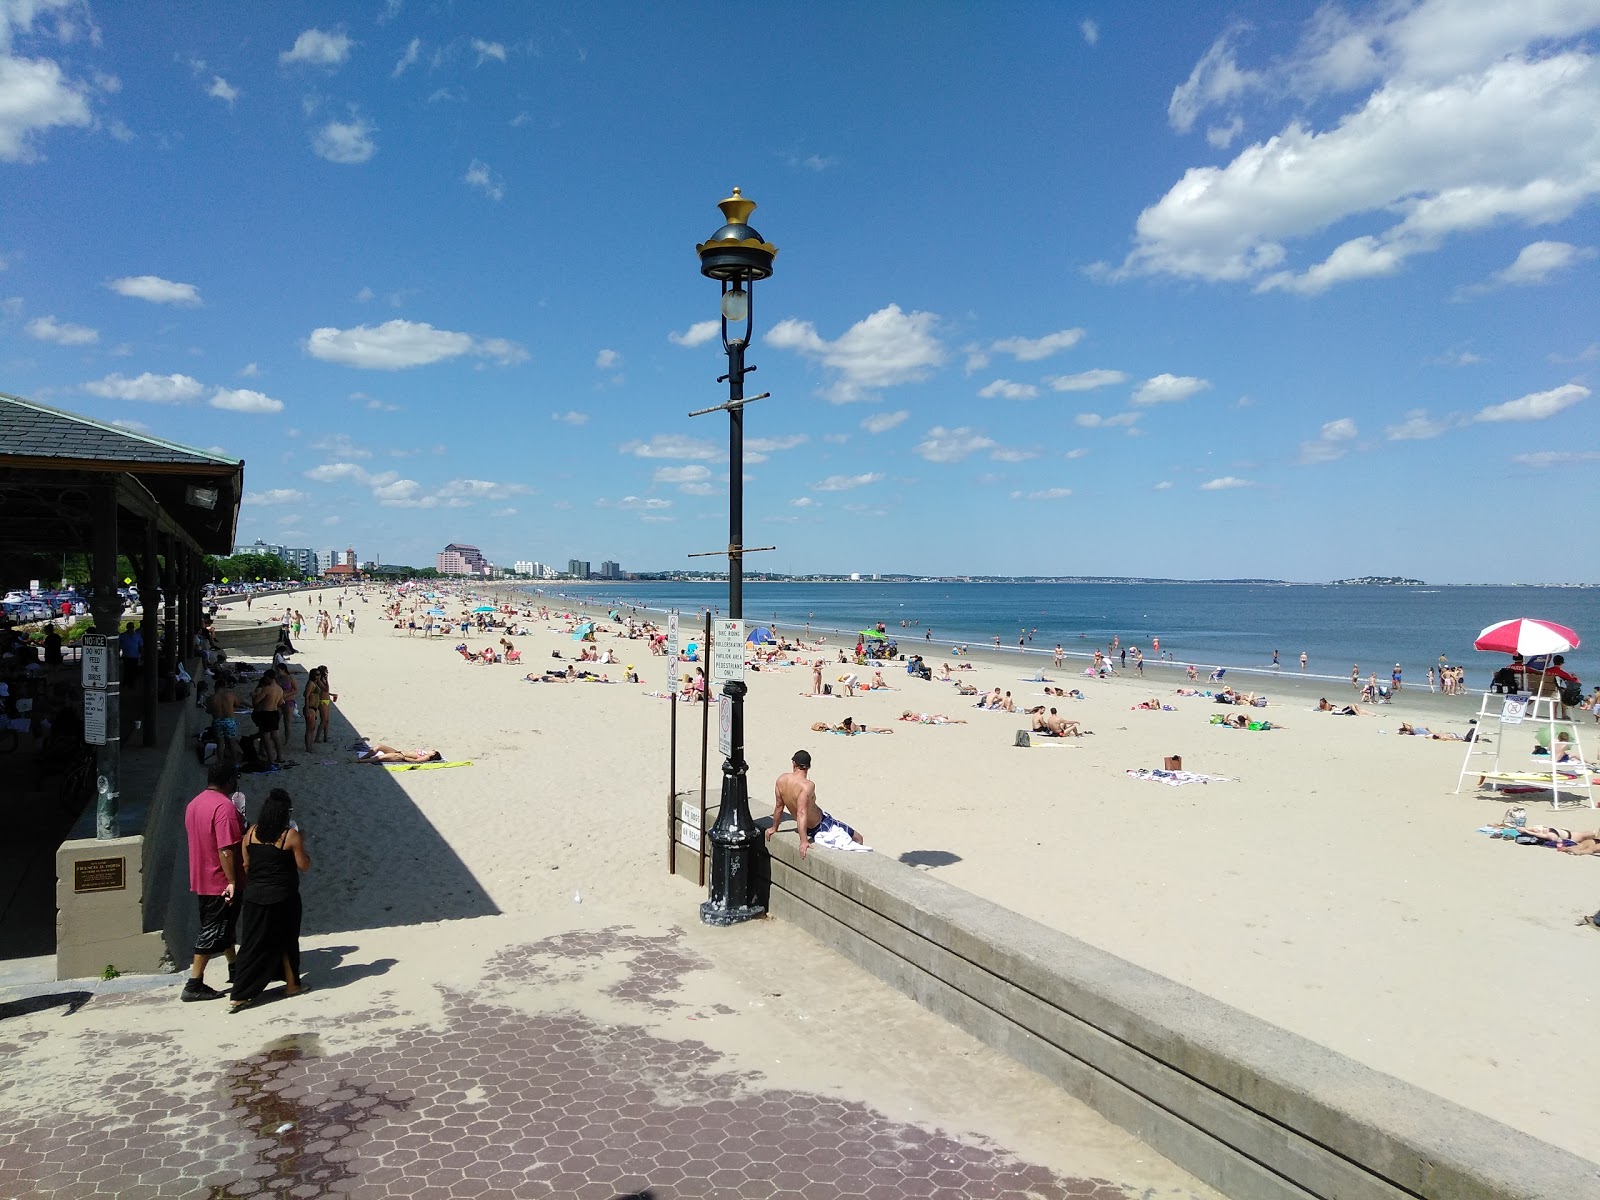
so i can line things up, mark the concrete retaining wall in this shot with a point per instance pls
(1257, 1112)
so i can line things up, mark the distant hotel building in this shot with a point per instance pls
(458, 559)
(578, 568)
(610, 570)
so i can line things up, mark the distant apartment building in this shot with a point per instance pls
(578, 568)
(326, 559)
(460, 559)
(260, 547)
(610, 570)
(301, 558)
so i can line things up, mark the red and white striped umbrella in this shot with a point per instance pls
(1525, 635)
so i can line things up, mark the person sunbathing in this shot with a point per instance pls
(1582, 843)
(966, 689)
(1408, 730)
(930, 718)
(389, 754)
(1053, 724)
(1152, 704)
(846, 726)
(1343, 710)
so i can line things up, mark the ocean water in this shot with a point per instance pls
(1232, 625)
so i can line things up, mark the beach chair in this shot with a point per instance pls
(1216, 676)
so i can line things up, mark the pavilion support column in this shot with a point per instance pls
(171, 648)
(106, 605)
(185, 633)
(150, 627)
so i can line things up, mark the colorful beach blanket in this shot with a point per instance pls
(1176, 778)
(427, 766)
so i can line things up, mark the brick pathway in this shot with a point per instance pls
(486, 1100)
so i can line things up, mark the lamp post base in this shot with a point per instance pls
(713, 914)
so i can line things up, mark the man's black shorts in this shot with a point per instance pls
(216, 925)
(266, 719)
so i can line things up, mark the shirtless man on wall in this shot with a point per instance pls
(795, 794)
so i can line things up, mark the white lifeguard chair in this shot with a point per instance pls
(1513, 715)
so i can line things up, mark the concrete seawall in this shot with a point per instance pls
(1255, 1111)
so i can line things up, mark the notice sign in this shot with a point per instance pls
(94, 718)
(100, 875)
(725, 726)
(727, 651)
(688, 835)
(672, 652)
(96, 672)
(689, 812)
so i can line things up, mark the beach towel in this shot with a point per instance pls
(1176, 778)
(836, 835)
(427, 766)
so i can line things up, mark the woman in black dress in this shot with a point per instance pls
(269, 914)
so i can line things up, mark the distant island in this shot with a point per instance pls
(1380, 581)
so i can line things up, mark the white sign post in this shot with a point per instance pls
(725, 726)
(94, 718)
(94, 660)
(727, 651)
(672, 653)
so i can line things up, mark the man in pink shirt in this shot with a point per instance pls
(215, 827)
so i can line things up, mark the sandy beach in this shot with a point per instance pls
(1334, 885)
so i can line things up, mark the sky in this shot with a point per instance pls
(1293, 290)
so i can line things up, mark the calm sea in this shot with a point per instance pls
(1233, 625)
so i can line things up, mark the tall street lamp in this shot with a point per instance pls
(736, 257)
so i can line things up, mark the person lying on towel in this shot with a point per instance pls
(388, 754)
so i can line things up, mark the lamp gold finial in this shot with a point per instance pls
(736, 209)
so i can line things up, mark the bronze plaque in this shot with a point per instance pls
(100, 875)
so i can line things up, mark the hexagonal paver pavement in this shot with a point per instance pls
(487, 1101)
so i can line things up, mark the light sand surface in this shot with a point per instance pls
(1336, 886)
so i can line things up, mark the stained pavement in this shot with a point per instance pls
(498, 1057)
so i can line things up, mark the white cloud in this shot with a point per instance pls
(487, 50)
(155, 289)
(1330, 443)
(1535, 406)
(1009, 454)
(48, 329)
(249, 370)
(408, 59)
(1418, 426)
(132, 426)
(641, 504)
(152, 389)
(1089, 420)
(482, 489)
(884, 421)
(1225, 483)
(1005, 389)
(952, 445)
(1055, 493)
(345, 142)
(769, 445)
(318, 49)
(1166, 485)
(697, 334)
(845, 483)
(1540, 260)
(396, 345)
(243, 400)
(220, 89)
(403, 493)
(671, 445)
(1034, 349)
(1479, 116)
(1223, 136)
(339, 472)
(571, 417)
(1168, 389)
(607, 360)
(1080, 452)
(693, 473)
(35, 94)
(802, 502)
(1555, 458)
(341, 445)
(504, 512)
(1086, 381)
(1090, 31)
(1216, 79)
(885, 349)
(486, 181)
(276, 496)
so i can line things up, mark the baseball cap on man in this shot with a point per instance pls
(802, 759)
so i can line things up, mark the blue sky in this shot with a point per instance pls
(1280, 289)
